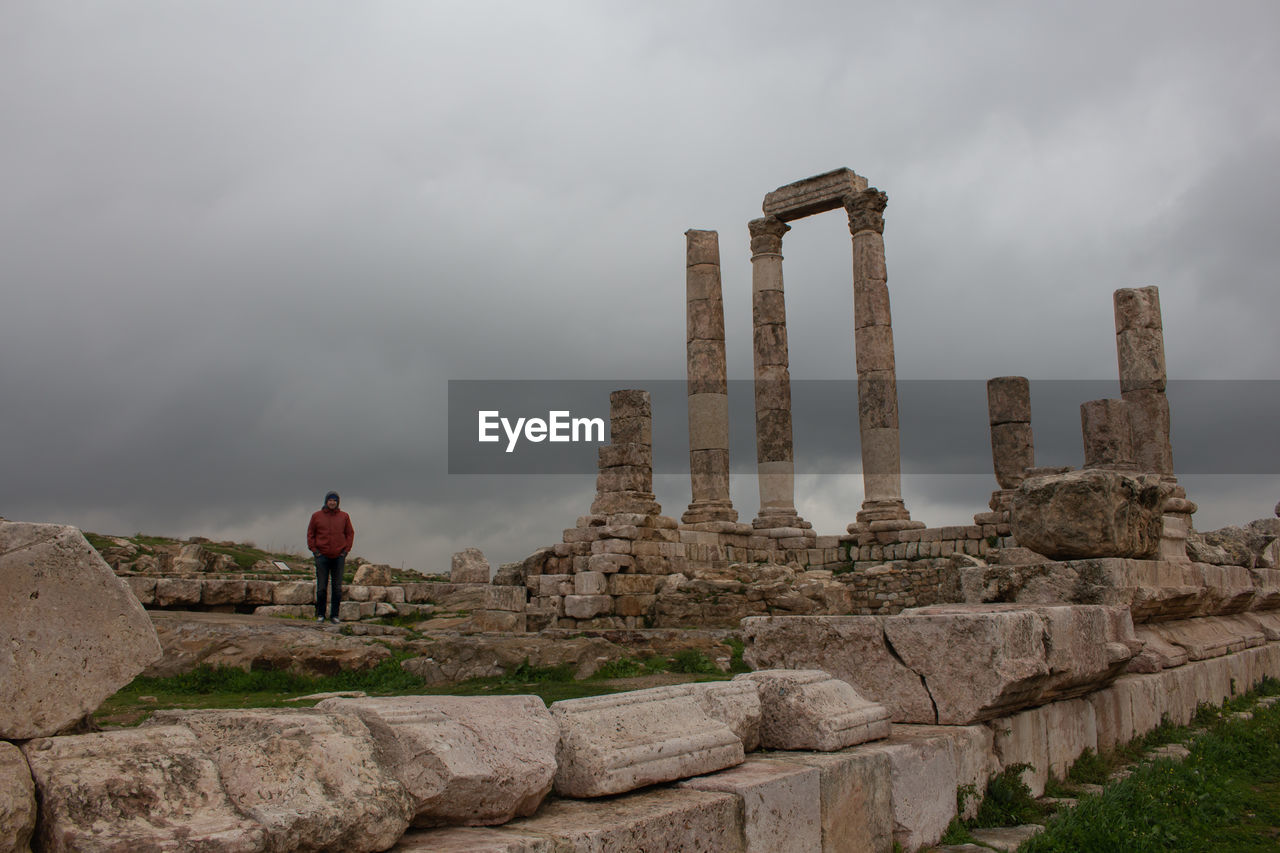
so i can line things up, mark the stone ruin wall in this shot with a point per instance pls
(626, 565)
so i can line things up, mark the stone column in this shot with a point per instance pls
(882, 507)
(1013, 448)
(775, 463)
(1108, 441)
(707, 381)
(624, 483)
(1140, 352)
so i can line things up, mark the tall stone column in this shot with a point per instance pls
(1013, 448)
(775, 463)
(707, 381)
(882, 507)
(1140, 352)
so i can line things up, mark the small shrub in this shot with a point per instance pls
(1008, 801)
(736, 663)
(620, 668)
(526, 674)
(957, 832)
(1089, 769)
(692, 661)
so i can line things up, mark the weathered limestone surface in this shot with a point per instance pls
(1091, 513)
(17, 801)
(851, 648)
(314, 781)
(612, 744)
(215, 639)
(809, 709)
(152, 788)
(781, 803)
(855, 789)
(817, 194)
(1000, 658)
(464, 760)
(663, 819)
(71, 632)
(371, 574)
(707, 382)
(469, 566)
(468, 839)
(734, 703)
(1152, 590)
(1012, 442)
(928, 764)
(1108, 440)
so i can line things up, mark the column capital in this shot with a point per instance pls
(866, 210)
(766, 235)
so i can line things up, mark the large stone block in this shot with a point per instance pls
(928, 765)
(152, 788)
(851, 648)
(17, 801)
(178, 592)
(855, 791)
(809, 709)
(1092, 513)
(470, 839)
(71, 632)
(663, 819)
(469, 566)
(294, 592)
(781, 803)
(468, 760)
(314, 781)
(734, 703)
(1004, 657)
(612, 744)
(813, 195)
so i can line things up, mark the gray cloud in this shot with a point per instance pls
(244, 248)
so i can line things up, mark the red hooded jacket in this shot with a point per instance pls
(330, 531)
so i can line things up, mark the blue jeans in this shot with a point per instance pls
(329, 579)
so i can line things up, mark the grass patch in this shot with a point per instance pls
(1223, 798)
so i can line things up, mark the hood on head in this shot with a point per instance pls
(333, 495)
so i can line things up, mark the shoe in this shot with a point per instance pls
(335, 621)
(319, 618)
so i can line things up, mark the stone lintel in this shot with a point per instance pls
(817, 194)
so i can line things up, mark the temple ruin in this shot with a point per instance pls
(896, 664)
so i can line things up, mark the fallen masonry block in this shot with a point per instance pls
(1208, 637)
(1000, 658)
(1089, 513)
(312, 780)
(851, 648)
(617, 743)
(152, 788)
(781, 803)
(464, 760)
(71, 632)
(809, 709)
(17, 800)
(735, 703)
(661, 819)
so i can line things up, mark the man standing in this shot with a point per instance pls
(329, 536)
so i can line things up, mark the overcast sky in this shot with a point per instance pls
(244, 246)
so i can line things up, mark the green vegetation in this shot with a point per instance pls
(1225, 797)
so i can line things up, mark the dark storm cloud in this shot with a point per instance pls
(245, 248)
